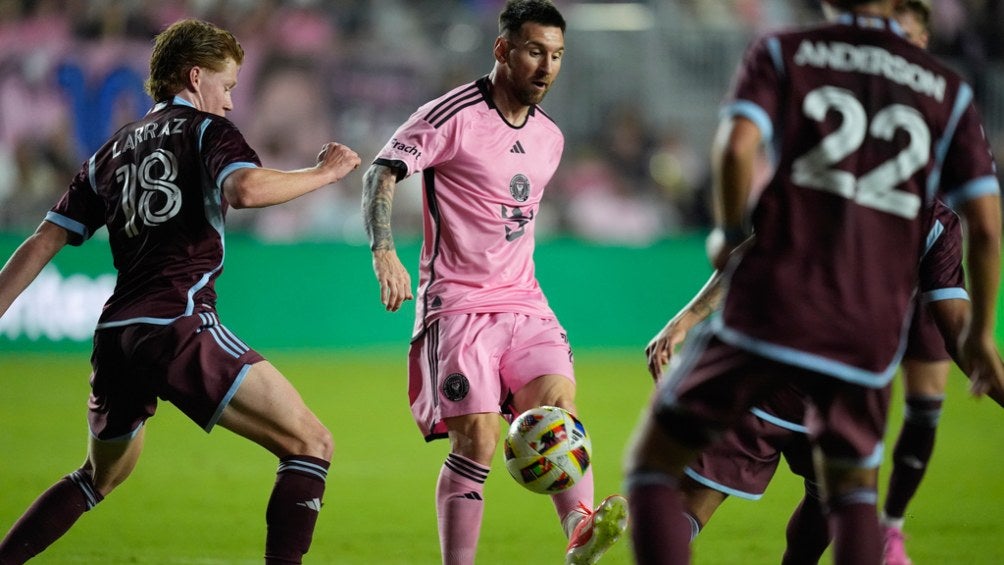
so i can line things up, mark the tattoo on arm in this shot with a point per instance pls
(710, 297)
(702, 308)
(378, 197)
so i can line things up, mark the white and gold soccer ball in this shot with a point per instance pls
(547, 449)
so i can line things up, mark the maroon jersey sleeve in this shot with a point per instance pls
(969, 170)
(80, 210)
(941, 271)
(756, 92)
(224, 150)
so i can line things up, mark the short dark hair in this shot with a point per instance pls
(183, 45)
(518, 12)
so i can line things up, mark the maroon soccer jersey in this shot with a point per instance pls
(156, 185)
(865, 127)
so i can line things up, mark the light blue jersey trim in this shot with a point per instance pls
(125, 437)
(937, 230)
(226, 399)
(68, 224)
(229, 169)
(182, 102)
(962, 100)
(951, 293)
(983, 186)
(779, 422)
(774, 48)
(720, 487)
(140, 320)
(874, 22)
(92, 174)
(812, 362)
(753, 112)
(202, 131)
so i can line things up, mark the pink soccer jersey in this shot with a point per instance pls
(483, 180)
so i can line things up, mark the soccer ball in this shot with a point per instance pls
(547, 450)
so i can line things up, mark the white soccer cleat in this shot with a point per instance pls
(597, 532)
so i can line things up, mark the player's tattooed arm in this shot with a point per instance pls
(379, 183)
(660, 349)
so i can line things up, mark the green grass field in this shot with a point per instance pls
(199, 499)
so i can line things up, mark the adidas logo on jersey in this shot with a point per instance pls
(518, 148)
(314, 504)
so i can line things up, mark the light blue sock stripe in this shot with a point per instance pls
(303, 467)
(81, 480)
(695, 526)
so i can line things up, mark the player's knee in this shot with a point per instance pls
(475, 437)
(547, 390)
(326, 444)
(841, 479)
(314, 440)
(322, 443)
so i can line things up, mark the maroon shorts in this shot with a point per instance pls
(195, 363)
(925, 342)
(743, 461)
(717, 384)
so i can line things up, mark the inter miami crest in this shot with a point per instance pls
(519, 187)
(455, 387)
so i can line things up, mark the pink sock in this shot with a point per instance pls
(459, 507)
(568, 500)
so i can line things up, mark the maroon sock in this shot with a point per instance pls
(857, 538)
(808, 532)
(660, 530)
(293, 508)
(49, 517)
(912, 452)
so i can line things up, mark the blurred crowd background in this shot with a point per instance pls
(637, 97)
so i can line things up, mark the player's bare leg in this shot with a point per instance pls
(52, 514)
(267, 410)
(924, 383)
(460, 488)
(575, 503)
(700, 503)
(591, 531)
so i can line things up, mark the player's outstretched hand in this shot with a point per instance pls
(337, 159)
(982, 362)
(394, 279)
(660, 349)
